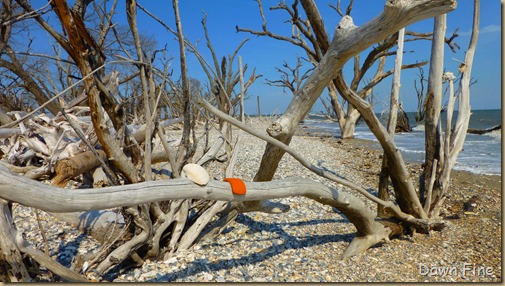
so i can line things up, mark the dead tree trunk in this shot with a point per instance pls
(433, 101)
(455, 138)
(348, 40)
(393, 110)
(186, 145)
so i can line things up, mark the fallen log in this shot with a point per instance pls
(483, 131)
(69, 168)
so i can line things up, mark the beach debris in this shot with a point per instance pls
(195, 173)
(483, 131)
(471, 206)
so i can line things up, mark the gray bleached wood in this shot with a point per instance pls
(49, 198)
(11, 256)
(212, 153)
(458, 134)
(322, 172)
(433, 103)
(8, 132)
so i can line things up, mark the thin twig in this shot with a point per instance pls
(32, 14)
(42, 56)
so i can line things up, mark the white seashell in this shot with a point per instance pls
(196, 173)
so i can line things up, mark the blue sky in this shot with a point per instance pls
(265, 54)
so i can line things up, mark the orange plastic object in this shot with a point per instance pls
(237, 185)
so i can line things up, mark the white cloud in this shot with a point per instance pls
(491, 29)
(484, 30)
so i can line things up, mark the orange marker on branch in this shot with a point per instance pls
(237, 185)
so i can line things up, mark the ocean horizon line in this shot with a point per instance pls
(318, 113)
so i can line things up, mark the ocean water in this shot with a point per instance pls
(481, 153)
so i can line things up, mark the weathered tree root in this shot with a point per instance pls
(180, 221)
(360, 244)
(196, 228)
(163, 221)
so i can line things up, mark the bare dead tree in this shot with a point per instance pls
(290, 77)
(224, 81)
(433, 100)
(10, 61)
(420, 95)
(451, 144)
(312, 38)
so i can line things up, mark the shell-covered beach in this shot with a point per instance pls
(306, 243)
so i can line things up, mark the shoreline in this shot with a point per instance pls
(371, 145)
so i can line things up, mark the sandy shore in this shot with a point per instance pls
(305, 244)
(458, 177)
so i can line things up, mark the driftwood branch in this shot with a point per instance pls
(348, 41)
(31, 193)
(12, 262)
(71, 167)
(66, 274)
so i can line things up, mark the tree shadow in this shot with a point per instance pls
(67, 250)
(320, 166)
(289, 242)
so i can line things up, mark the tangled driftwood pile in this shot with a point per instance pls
(52, 148)
(39, 143)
